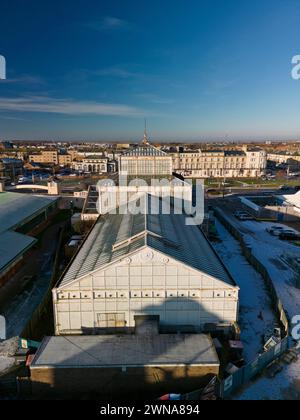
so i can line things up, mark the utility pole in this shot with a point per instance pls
(224, 175)
(14, 172)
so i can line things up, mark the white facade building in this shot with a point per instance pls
(283, 157)
(221, 163)
(144, 264)
(145, 160)
(94, 164)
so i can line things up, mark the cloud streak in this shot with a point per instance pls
(155, 99)
(66, 106)
(24, 79)
(108, 23)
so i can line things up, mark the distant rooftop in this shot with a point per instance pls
(234, 153)
(144, 150)
(11, 160)
(96, 157)
(126, 350)
(13, 245)
(284, 153)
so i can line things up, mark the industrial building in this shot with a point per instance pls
(19, 215)
(10, 168)
(283, 208)
(144, 264)
(122, 366)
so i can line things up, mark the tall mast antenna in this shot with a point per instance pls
(145, 140)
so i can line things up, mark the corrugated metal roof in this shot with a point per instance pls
(144, 150)
(16, 207)
(166, 233)
(12, 245)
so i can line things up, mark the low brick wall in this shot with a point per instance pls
(112, 383)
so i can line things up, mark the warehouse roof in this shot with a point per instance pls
(13, 245)
(16, 208)
(126, 350)
(117, 235)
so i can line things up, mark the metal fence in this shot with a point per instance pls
(248, 372)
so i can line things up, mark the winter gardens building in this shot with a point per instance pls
(136, 268)
(144, 264)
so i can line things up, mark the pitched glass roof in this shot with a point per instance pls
(144, 150)
(117, 235)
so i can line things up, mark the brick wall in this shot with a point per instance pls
(107, 383)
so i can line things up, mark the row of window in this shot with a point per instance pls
(145, 294)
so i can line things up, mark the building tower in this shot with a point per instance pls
(145, 141)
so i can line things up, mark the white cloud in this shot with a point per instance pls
(150, 97)
(66, 106)
(108, 23)
(26, 79)
(114, 71)
(4, 117)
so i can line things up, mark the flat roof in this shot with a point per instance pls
(110, 240)
(126, 350)
(13, 245)
(16, 208)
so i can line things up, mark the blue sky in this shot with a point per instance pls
(196, 69)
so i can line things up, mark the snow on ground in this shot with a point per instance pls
(20, 309)
(5, 364)
(256, 315)
(278, 257)
(7, 351)
(284, 386)
(274, 254)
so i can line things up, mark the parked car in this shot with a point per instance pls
(289, 235)
(246, 217)
(284, 188)
(212, 191)
(238, 212)
(275, 230)
(242, 215)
